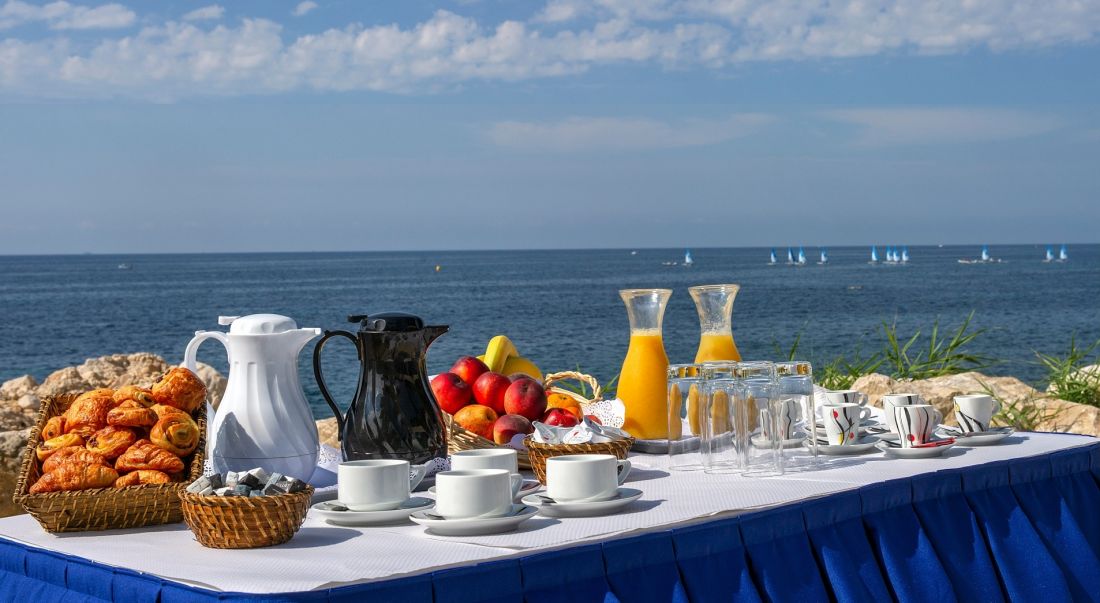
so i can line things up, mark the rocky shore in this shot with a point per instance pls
(20, 400)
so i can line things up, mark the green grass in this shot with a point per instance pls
(1064, 377)
(941, 356)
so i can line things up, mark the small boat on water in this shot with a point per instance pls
(772, 261)
(874, 255)
(824, 257)
(687, 258)
(123, 266)
(790, 257)
(1063, 254)
(1050, 255)
(905, 255)
(984, 259)
(801, 257)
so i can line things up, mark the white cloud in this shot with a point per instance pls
(63, 15)
(304, 7)
(176, 59)
(206, 13)
(620, 134)
(914, 126)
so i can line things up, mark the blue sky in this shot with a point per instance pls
(341, 125)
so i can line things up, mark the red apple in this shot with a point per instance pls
(451, 392)
(489, 390)
(469, 369)
(509, 426)
(559, 417)
(525, 397)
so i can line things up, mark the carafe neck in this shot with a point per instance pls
(646, 309)
(714, 303)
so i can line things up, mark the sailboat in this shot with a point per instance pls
(1063, 254)
(984, 259)
(1050, 255)
(985, 253)
(687, 258)
(772, 261)
(890, 256)
(905, 255)
(824, 257)
(801, 257)
(790, 257)
(874, 255)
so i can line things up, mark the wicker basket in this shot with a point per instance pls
(101, 508)
(245, 522)
(540, 452)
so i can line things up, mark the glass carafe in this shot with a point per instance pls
(714, 303)
(643, 381)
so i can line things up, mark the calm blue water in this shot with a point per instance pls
(561, 307)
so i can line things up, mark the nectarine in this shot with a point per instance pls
(451, 392)
(525, 397)
(469, 369)
(489, 390)
(509, 426)
(478, 419)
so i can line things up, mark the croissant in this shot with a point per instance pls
(177, 433)
(131, 414)
(163, 410)
(142, 476)
(75, 476)
(72, 454)
(111, 441)
(54, 427)
(88, 412)
(46, 449)
(180, 388)
(141, 395)
(147, 455)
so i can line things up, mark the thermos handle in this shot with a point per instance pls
(190, 363)
(321, 380)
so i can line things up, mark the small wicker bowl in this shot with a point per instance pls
(245, 522)
(540, 452)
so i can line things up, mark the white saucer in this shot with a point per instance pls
(529, 486)
(475, 526)
(864, 444)
(914, 453)
(985, 438)
(330, 513)
(760, 441)
(591, 508)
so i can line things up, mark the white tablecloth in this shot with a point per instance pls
(322, 556)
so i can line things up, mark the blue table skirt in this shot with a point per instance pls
(1028, 530)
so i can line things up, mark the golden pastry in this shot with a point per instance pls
(147, 455)
(75, 475)
(88, 412)
(140, 395)
(163, 410)
(142, 476)
(46, 449)
(131, 414)
(177, 433)
(74, 454)
(180, 388)
(54, 427)
(111, 441)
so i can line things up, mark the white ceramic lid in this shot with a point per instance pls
(258, 324)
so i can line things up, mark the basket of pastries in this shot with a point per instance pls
(115, 458)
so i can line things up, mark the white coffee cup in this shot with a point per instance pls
(892, 401)
(790, 412)
(583, 477)
(975, 411)
(842, 423)
(473, 493)
(376, 484)
(486, 458)
(850, 396)
(916, 423)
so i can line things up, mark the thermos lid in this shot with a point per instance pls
(388, 321)
(258, 324)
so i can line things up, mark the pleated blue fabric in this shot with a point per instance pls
(1022, 531)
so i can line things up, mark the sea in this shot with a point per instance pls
(561, 308)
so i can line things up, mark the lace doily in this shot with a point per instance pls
(610, 412)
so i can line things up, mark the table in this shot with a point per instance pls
(1017, 521)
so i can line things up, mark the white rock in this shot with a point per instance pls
(29, 402)
(14, 389)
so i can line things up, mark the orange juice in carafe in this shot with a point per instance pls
(714, 303)
(714, 347)
(643, 381)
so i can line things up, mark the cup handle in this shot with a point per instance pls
(938, 418)
(864, 400)
(517, 483)
(996, 408)
(864, 413)
(419, 471)
(624, 470)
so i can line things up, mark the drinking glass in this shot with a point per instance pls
(686, 406)
(758, 392)
(796, 382)
(724, 439)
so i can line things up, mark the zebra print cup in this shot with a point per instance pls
(892, 401)
(841, 423)
(789, 414)
(915, 423)
(974, 412)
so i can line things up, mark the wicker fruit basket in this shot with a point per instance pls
(245, 522)
(460, 439)
(102, 508)
(540, 452)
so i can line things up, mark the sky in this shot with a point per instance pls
(258, 125)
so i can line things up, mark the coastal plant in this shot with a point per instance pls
(1066, 379)
(943, 356)
(607, 390)
(1022, 415)
(841, 372)
(791, 353)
